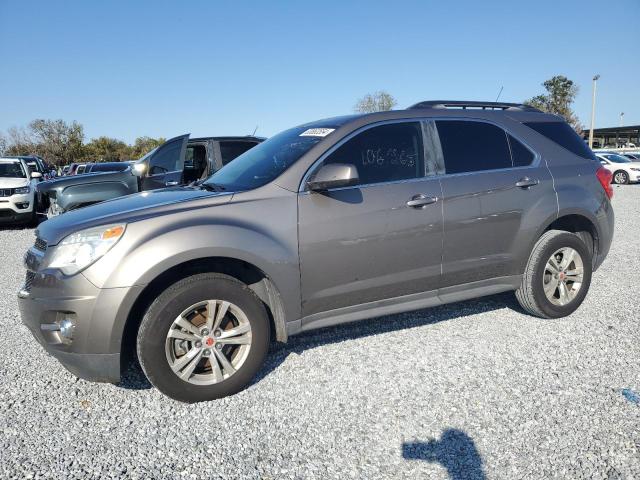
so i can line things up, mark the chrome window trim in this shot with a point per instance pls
(302, 188)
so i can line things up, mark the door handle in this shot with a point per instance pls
(421, 200)
(171, 184)
(526, 182)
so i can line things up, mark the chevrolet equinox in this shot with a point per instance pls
(333, 221)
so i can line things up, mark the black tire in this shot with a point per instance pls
(531, 294)
(621, 177)
(169, 305)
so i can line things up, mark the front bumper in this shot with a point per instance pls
(99, 316)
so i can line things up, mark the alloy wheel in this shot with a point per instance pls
(208, 342)
(620, 177)
(563, 276)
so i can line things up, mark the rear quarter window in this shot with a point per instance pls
(565, 136)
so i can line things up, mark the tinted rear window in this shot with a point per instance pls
(565, 136)
(232, 150)
(473, 146)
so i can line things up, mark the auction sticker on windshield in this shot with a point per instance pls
(317, 132)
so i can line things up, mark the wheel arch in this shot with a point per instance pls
(577, 222)
(257, 280)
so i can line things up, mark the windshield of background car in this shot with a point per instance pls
(266, 161)
(617, 159)
(12, 170)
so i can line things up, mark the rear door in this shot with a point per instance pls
(166, 165)
(497, 192)
(379, 239)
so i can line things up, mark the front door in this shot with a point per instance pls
(377, 240)
(166, 165)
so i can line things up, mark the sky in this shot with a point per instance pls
(125, 69)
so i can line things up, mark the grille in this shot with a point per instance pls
(28, 281)
(6, 192)
(40, 244)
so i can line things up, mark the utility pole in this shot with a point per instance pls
(621, 119)
(593, 110)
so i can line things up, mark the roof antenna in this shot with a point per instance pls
(254, 131)
(499, 93)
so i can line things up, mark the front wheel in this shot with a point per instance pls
(203, 338)
(557, 276)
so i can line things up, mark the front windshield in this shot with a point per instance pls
(263, 163)
(617, 159)
(12, 170)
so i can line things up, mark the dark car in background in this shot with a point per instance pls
(178, 161)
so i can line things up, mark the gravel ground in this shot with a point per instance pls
(469, 390)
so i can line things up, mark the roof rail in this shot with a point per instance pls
(441, 104)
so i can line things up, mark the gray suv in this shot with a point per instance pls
(333, 221)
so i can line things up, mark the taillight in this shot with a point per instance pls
(605, 177)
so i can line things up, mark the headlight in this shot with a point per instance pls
(79, 250)
(22, 190)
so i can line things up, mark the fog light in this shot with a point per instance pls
(66, 329)
(22, 205)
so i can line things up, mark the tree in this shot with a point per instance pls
(105, 149)
(377, 102)
(55, 140)
(561, 93)
(143, 145)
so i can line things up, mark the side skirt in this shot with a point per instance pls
(406, 303)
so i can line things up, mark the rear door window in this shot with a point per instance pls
(565, 136)
(471, 146)
(385, 153)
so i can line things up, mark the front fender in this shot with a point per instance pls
(241, 231)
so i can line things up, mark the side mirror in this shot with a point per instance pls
(139, 169)
(333, 175)
(36, 175)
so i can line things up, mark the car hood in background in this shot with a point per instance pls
(128, 209)
(10, 182)
(64, 182)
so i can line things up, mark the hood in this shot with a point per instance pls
(11, 182)
(61, 183)
(129, 209)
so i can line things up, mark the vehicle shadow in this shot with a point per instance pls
(134, 378)
(455, 451)
(376, 326)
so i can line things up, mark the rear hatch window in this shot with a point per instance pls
(565, 136)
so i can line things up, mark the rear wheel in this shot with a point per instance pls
(621, 177)
(557, 276)
(203, 338)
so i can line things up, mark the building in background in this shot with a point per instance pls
(615, 137)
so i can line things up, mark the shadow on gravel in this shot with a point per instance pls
(455, 451)
(297, 344)
(133, 377)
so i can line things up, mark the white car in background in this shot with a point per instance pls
(624, 170)
(17, 192)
